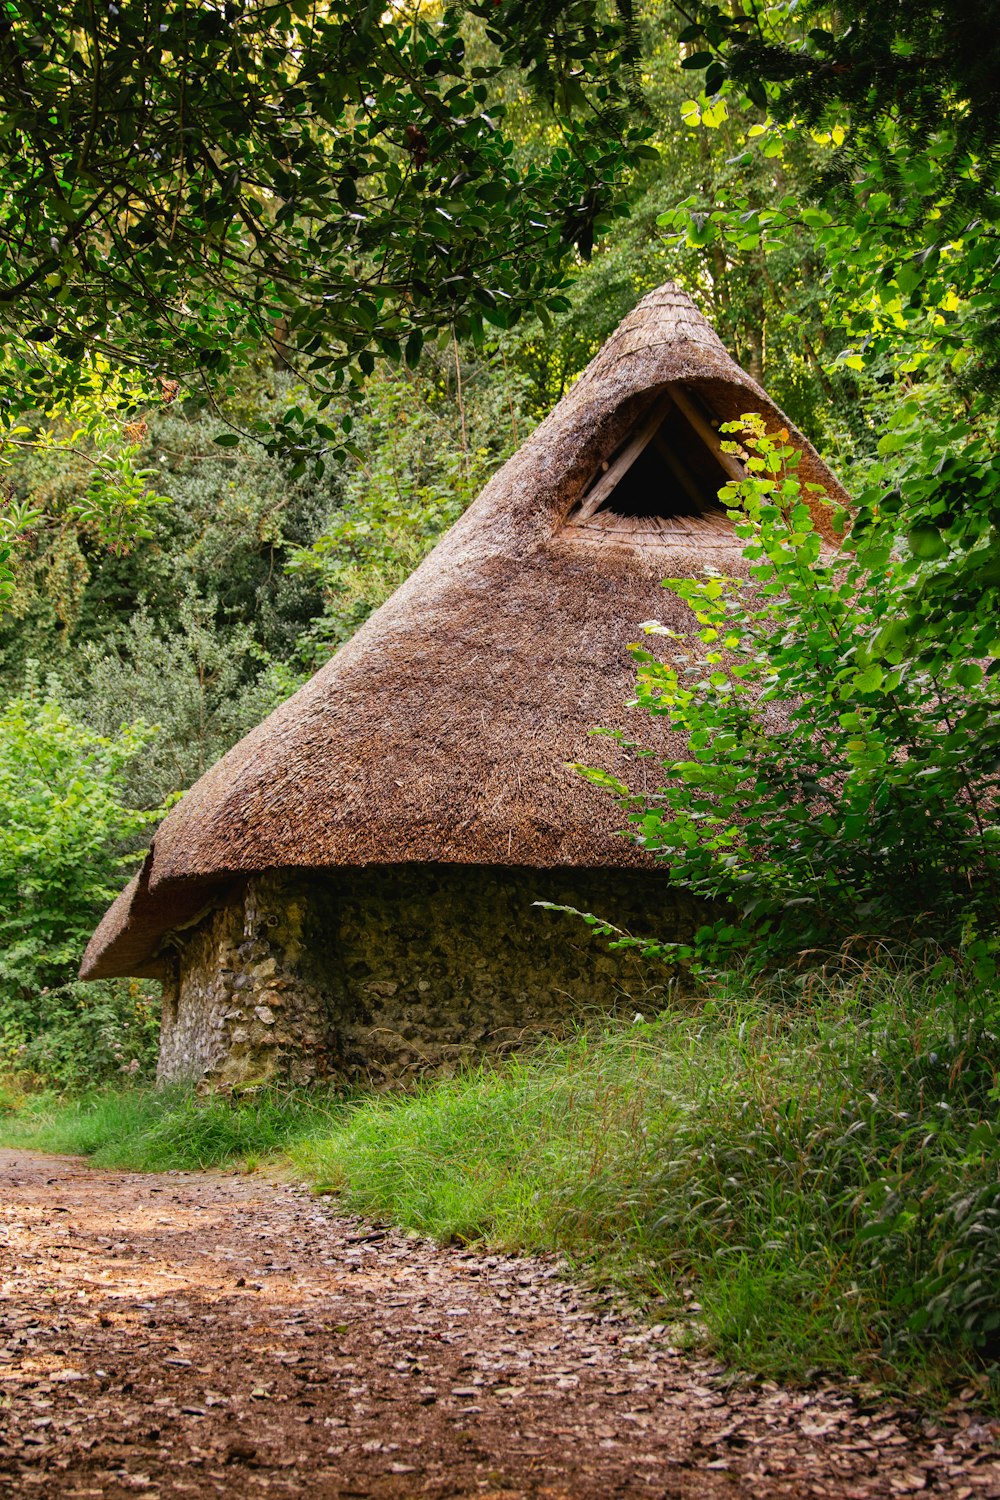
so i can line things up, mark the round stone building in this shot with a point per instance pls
(350, 892)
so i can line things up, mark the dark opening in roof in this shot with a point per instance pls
(664, 477)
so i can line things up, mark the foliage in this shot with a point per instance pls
(65, 824)
(371, 548)
(929, 67)
(102, 431)
(223, 536)
(78, 1034)
(904, 208)
(202, 687)
(279, 570)
(323, 183)
(833, 785)
(766, 297)
(427, 442)
(7, 533)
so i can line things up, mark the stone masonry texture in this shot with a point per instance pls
(376, 976)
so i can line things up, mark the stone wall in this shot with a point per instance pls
(378, 975)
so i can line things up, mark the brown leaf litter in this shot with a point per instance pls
(201, 1334)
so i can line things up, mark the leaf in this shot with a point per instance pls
(756, 92)
(926, 542)
(869, 680)
(414, 346)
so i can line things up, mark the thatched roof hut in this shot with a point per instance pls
(437, 739)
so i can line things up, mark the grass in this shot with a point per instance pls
(148, 1130)
(807, 1178)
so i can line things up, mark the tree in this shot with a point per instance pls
(69, 832)
(929, 66)
(907, 212)
(186, 185)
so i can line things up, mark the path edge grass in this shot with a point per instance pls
(778, 1175)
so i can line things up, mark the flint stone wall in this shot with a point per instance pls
(378, 975)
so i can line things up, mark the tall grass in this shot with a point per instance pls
(146, 1130)
(807, 1177)
(810, 1178)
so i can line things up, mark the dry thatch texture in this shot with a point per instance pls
(441, 731)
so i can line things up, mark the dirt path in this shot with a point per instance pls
(210, 1334)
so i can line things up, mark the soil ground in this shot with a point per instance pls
(203, 1334)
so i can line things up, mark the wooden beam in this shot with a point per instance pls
(640, 439)
(707, 433)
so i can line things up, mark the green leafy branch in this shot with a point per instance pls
(835, 783)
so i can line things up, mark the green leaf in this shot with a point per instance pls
(926, 542)
(869, 680)
(414, 346)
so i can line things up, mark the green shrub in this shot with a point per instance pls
(66, 839)
(837, 783)
(426, 443)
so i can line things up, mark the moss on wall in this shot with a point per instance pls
(378, 975)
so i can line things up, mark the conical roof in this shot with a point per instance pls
(441, 731)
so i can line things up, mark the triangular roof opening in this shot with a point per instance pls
(477, 736)
(663, 480)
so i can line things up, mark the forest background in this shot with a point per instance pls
(174, 564)
(171, 644)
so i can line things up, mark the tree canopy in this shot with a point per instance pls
(185, 185)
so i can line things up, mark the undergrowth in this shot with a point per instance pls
(149, 1130)
(803, 1178)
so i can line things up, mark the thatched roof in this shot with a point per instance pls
(441, 731)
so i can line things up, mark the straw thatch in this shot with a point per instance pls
(441, 732)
